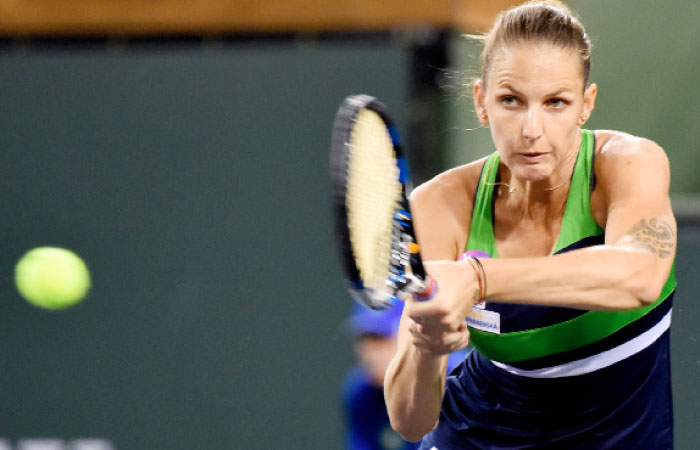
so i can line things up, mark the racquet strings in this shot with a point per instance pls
(373, 194)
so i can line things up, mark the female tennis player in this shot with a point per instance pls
(559, 249)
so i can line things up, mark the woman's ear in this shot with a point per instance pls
(589, 96)
(479, 96)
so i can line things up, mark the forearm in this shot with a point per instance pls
(600, 278)
(413, 389)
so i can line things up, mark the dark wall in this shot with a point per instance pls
(192, 178)
(646, 61)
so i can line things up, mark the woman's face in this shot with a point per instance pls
(534, 103)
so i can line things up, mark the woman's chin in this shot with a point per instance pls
(532, 174)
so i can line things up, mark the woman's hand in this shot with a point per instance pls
(438, 325)
(434, 342)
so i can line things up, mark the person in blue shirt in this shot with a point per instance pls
(373, 335)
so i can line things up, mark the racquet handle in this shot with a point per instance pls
(427, 291)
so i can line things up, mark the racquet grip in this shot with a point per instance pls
(428, 292)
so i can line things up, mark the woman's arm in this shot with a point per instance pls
(415, 380)
(413, 387)
(627, 272)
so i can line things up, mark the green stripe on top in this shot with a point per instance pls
(578, 221)
(481, 235)
(577, 224)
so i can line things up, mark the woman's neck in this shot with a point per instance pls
(542, 199)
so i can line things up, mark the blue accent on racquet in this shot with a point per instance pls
(357, 284)
(398, 278)
(402, 215)
(394, 133)
(404, 175)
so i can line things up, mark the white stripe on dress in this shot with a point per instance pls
(598, 361)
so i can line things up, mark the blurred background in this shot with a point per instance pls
(180, 147)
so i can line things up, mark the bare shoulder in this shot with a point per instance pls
(630, 169)
(454, 187)
(442, 210)
(616, 147)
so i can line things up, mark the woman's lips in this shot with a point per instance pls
(532, 157)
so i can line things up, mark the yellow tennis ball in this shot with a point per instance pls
(52, 278)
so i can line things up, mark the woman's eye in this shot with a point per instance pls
(509, 100)
(557, 102)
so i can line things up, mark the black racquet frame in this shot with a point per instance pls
(405, 249)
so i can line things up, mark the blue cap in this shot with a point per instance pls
(383, 322)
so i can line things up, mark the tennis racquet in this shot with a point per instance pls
(374, 228)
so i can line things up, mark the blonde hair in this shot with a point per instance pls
(547, 21)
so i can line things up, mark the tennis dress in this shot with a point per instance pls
(558, 378)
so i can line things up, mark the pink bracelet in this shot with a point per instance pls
(483, 276)
(478, 275)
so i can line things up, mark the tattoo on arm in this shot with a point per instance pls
(655, 235)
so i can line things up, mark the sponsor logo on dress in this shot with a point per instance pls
(484, 320)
